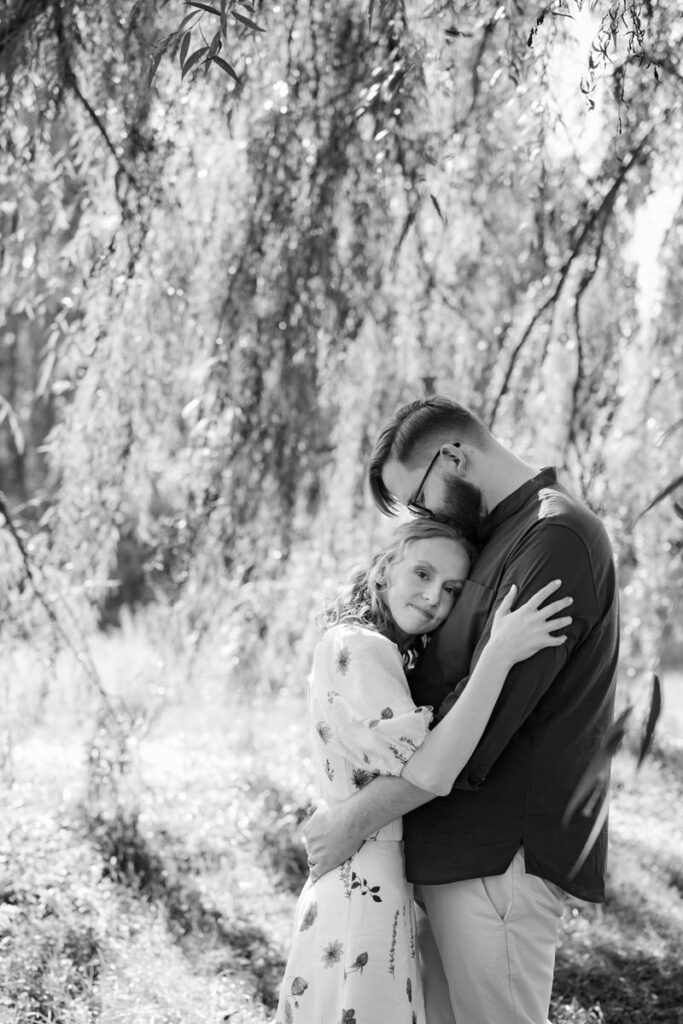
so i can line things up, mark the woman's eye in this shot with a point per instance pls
(421, 573)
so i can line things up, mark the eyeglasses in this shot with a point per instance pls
(413, 504)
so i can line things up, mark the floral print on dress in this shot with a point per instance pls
(332, 953)
(359, 963)
(324, 731)
(309, 917)
(399, 754)
(361, 701)
(384, 715)
(361, 883)
(345, 876)
(409, 742)
(343, 660)
(392, 948)
(356, 922)
(360, 777)
(297, 988)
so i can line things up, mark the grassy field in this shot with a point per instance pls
(174, 903)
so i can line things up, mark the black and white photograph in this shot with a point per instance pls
(341, 512)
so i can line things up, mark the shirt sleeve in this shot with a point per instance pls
(361, 701)
(550, 552)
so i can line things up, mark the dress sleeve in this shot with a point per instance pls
(361, 701)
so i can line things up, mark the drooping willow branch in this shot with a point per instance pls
(72, 83)
(25, 15)
(82, 654)
(601, 212)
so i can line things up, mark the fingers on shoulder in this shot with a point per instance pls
(537, 599)
(508, 600)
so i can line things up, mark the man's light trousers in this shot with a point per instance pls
(487, 947)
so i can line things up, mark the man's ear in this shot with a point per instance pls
(457, 458)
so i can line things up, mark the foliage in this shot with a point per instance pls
(53, 936)
(279, 833)
(253, 410)
(217, 286)
(199, 928)
(76, 947)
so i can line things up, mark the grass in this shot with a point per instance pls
(622, 962)
(174, 902)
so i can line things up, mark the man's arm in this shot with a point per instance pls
(550, 552)
(335, 832)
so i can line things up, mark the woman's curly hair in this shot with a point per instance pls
(362, 599)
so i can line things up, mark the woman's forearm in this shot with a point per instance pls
(333, 834)
(448, 747)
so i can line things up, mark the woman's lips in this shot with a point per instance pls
(425, 614)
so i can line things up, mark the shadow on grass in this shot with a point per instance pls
(636, 917)
(595, 982)
(623, 988)
(132, 859)
(278, 833)
(50, 953)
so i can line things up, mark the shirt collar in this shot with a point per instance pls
(514, 502)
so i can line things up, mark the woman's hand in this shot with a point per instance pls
(516, 635)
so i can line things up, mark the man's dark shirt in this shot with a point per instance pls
(551, 715)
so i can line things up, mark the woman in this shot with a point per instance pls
(353, 957)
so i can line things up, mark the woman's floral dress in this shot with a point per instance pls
(353, 958)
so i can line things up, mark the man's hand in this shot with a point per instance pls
(334, 833)
(330, 838)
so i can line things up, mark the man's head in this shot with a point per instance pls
(429, 459)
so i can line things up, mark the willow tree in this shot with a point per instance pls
(239, 235)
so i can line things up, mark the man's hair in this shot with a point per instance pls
(414, 430)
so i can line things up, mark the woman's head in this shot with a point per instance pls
(410, 587)
(423, 580)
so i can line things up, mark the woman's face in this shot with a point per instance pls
(423, 585)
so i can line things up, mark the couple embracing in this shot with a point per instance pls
(463, 682)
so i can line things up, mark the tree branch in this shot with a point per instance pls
(572, 433)
(602, 210)
(28, 12)
(487, 34)
(72, 83)
(83, 656)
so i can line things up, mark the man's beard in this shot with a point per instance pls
(463, 507)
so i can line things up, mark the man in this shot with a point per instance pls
(492, 860)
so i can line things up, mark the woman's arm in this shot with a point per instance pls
(334, 833)
(515, 636)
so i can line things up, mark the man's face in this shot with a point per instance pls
(439, 489)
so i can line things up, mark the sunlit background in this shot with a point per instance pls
(218, 279)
